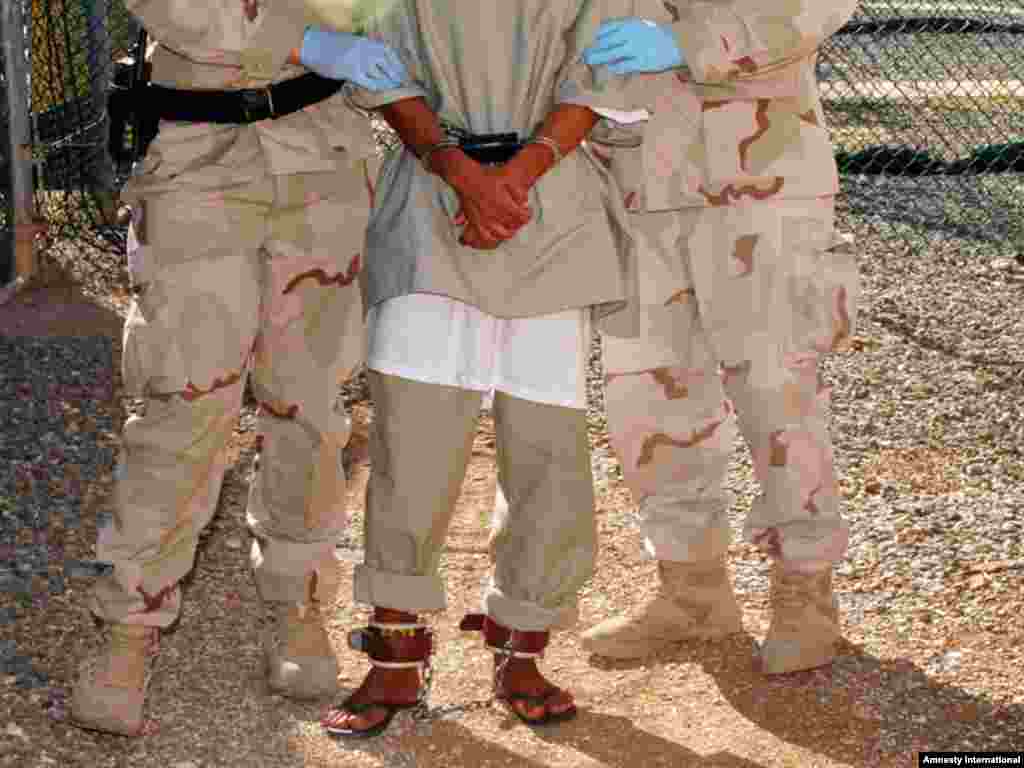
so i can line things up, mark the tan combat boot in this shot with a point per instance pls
(805, 622)
(695, 600)
(111, 690)
(300, 661)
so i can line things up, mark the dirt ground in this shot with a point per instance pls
(699, 704)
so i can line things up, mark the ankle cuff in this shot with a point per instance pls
(386, 648)
(398, 664)
(506, 641)
(396, 628)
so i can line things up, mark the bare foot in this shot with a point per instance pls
(522, 678)
(383, 690)
(386, 687)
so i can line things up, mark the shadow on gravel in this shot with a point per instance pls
(860, 710)
(617, 742)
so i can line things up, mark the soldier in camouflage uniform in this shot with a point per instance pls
(741, 286)
(244, 254)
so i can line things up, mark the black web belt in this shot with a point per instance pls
(245, 105)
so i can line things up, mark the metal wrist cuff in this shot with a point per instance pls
(551, 144)
(429, 151)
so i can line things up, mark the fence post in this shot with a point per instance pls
(19, 145)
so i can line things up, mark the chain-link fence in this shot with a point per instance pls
(924, 98)
(6, 202)
(926, 104)
(78, 53)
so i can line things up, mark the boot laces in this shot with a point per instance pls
(793, 594)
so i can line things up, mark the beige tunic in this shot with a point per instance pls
(213, 44)
(493, 66)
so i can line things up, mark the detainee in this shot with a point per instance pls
(742, 285)
(249, 213)
(492, 234)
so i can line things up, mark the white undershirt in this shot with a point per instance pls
(439, 340)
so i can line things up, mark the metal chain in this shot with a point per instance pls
(427, 714)
(499, 672)
(423, 712)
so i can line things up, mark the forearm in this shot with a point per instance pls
(416, 124)
(567, 125)
(419, 128)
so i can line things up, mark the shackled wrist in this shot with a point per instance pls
(554, 146)
(429, 152)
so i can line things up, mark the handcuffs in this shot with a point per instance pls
(487, 148)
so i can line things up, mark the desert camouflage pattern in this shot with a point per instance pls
(738, 283)
(742, 122)
(245, 253)
(761, 293)
(224, 44)
(498, 66)
(256, 280)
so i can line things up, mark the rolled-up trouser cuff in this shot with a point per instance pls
(684, 531)
(281, 568)
(111, 602)
(806, 546)
(527, 617)
(399, 592)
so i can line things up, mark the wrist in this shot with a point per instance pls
(451, 164)
(535, 160)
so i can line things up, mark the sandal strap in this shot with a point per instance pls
(501, 639)
(533, 700)
(352, 708)
(383, 647)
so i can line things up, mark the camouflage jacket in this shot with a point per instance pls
(225, 44)
(742, 120)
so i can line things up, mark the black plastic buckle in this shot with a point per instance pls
(257, 104)
(491, 148)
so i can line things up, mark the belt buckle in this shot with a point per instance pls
(257, 104)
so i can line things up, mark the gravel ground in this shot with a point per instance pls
(929, 438)
(58, 440)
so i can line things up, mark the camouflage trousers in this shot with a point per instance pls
(734, 308)
(255, 280)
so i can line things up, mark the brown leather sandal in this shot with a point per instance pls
(511, 643)
(389, 646)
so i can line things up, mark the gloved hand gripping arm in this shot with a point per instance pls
(728, 40)
(343, 56)
(634, 45)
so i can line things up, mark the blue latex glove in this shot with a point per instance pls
(634, 45)
(343, 56)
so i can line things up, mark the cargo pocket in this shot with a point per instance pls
(824, 293)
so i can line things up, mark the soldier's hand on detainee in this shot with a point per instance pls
(342, 56)
(634, 45)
